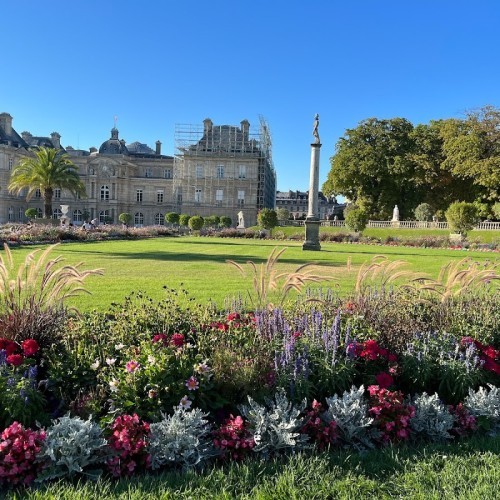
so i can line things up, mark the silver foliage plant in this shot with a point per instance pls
(350, 412)
(432, 419)
(182, 438)
(485, 405)
(276, 426)
(73, 446)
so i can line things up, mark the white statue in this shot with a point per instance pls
(395, 214)
(241, 220)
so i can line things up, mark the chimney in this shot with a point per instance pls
(26, 137)
(245, 127)
(6, 123)
(56, 140)
(207, 125)
(158, 148)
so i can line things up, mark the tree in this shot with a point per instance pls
(283, 214)
(184, 219)
(372, 168)
(424, 212)
(31, 213)
(496, 210)
(172, 218)
(356, 219)
(125, 218)
(196, 222)
(462, 217)
(225, 221)
(47, 170)
(267, 218)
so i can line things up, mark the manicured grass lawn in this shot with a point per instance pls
(199, 265)
(465, 470)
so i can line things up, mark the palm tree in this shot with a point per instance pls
(47, 170)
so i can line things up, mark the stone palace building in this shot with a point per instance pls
(217, 170)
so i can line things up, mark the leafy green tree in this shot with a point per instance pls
(424, 212)
(356, 219)
(496, 210)
(225, 221)
(196, 222)
(172, 217)
(267, 218)
(372, 167)
(47, 170)
(184, 219)
(462, 217)
(125, 218)
(283, 214)
(212, 221)
(31, 213)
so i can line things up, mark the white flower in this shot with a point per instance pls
(185, 403)
(151, 360)
(113, 385)
(110, 361)
(119, 346)
(95, 365)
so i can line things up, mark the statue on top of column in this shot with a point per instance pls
(315, 129)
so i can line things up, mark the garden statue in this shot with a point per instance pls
(241, 220)
(395, 214)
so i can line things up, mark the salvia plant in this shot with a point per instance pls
(431, 420)
(485, 406)
(350, 412)
(73, 446)
(181, 439)
(276, 426)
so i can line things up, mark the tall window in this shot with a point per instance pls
(138, 196)
(77, 216)
(148, 172)
(159, 219)
(56, 213)
(199, 171)
(11, 214)
(159, 196)
(220, 172)
(38, 194)
(104, 193)
(139, 219)
(21, 214)
(197, 195)
(39, 213)
(219, 196)
(11, 163)
(242, 172)
(241, 198)
(179, 195)
(167, 173)
(104, 216)
(57, 194)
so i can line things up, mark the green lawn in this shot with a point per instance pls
(199, 265)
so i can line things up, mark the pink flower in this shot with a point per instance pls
(384, 380)
(185, 403)
(132, 366)
(30, 347)
(192, 383)
(233, 317)
(160, 337)
(177, 340)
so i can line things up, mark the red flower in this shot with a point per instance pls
(384, 380)
(233, 317)
(30, 347)
(15, 359)
(177, 340)
(370, 350)
(160, 337)
(8, 346)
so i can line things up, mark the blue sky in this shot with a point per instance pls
(71, 66)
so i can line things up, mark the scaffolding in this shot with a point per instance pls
(215, 164)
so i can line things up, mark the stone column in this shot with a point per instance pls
(312, 221)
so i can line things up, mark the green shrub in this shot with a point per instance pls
(125, 218)
(267, 218)
(172, 218)
(184, 219)
(225, 221)
(424, 212)
(462, 217)
(356, 220)
(196, 222)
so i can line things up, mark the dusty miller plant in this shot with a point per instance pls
(276, 426)
(181, 439)
(485, 406)
(73, 446)
(350, 412)
(432, 419)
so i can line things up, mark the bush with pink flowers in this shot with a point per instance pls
(233, 439)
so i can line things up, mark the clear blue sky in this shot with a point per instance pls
(71, 66)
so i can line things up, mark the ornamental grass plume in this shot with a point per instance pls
(267, 280)
(32, 296)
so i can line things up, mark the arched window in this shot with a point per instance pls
(159, 219)
(77, 216)
(104, 193)
(139, 219)
(56, 213)
(104, 216)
